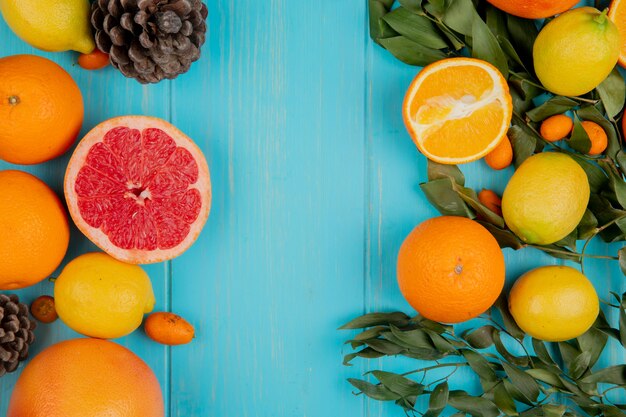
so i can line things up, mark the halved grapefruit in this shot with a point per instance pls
(139, 189)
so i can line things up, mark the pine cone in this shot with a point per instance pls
(150, 40)
(16, 332)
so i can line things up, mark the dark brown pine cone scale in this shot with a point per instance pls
(150, 40)
(16, 333)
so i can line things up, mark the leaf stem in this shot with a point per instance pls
(596, 231)
(440, 365)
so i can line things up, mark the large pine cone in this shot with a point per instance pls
(150, 40)
(16, 333)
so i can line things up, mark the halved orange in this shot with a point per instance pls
(457, 110)
(617, 14)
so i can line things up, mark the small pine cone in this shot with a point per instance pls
(16, 332)
(150, 40)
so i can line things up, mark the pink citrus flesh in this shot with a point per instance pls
(139, 189)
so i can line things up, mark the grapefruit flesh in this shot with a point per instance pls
(139, 189)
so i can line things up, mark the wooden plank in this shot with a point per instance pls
(278, 108)
(106, 94)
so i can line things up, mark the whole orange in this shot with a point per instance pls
(86, 377)
(450, 269)
(34, 230)
(534, 9)
(41, 109)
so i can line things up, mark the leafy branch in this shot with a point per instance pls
(524, 385)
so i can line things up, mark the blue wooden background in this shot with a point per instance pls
(315, 185)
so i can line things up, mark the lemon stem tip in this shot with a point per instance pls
(602, 17)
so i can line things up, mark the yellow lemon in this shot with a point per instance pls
(546, 198)
(99, 296)
(576, 51)
(554, 303)
(51, 25)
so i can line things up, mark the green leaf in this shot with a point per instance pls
(612, 92)
(553, 410)
(542, 353)
(384, 346)
(504, 401)
(496, 21)
(509, 324)
(593, 341)
(415, 6)
(410, 52)
(523, 33)
(556, 105)
(482, 368)
(367, 353)
(438, 400)
(621, 254)
(509, 50)
(460, 15)
(622, 312)
(441, 343)
(440, 193)
(469, 196)
(505, 238)
(580, 365)
(579, 140)
(602, 325)
(437, 171)
(475, 406)
(376, 319)
(377, 392)
(502, 350)
(545, 376)
(378, 27)
(480, 338)
(612, 375)
(569, 353)
(523, 144)
(398, 384)
(417, 338)
(596, 176)
(415, 27)
(524, 382)
(372, 333)
(591, 113)
(485, 46)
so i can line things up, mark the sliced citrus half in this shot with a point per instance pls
(617, 14)
(139, 189)
(457, 110)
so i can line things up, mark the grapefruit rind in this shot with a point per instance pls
(499, 94)
(96, 235)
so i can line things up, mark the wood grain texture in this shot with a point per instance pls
(315, 186)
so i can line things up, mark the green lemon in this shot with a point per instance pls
(51, 25)
(576, 51)
(99, 296)
(546, 198)
(554, 303)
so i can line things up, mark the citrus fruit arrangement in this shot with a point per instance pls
(544, 97)
(135, 186)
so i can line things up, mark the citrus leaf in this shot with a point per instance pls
(509, 50)
(398, 384)
(482, 368)
(505, 238)
(594, 342)
(474, 406)
(620, 158)
(376, 319)
(515, 360)
(612, 92)
(469, 196)
(612, 375)
(555, 105)
(384, 346)
(459, 16)
(415, 27)
(485, 46)
(523, 144)
(545, 376)
(441, 343)
(367, 353)
(413, 338)
(579, 139)
(510, 325)
(377, 392)
(437, 171)
(523, 33)
(621, 254)
(378, 27)
(438, 400)
(596, 176)
(440, 193)
(504, 401)
(622, 316)
(434, 7)
(542, 353)
(410, 52)
(524, 382)
(553, 410)
(569, 353)
(496, 21)
(580, 365)
(480, 338)
(415, 6)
